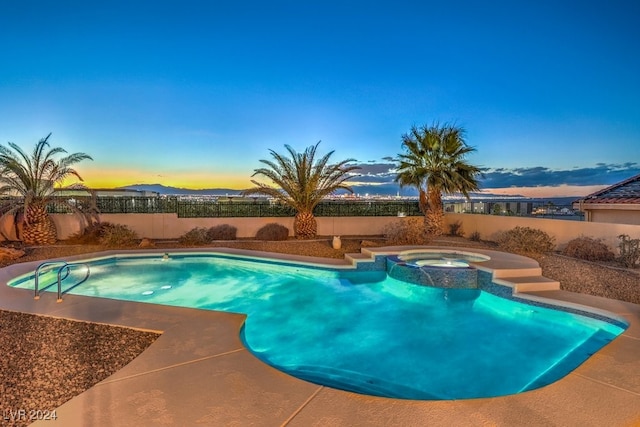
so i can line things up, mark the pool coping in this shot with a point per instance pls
(199, 372)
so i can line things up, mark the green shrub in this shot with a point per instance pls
(629, 251)
(117, 235)
(588, 249)
(455, 229)
(273, 231)
(526, 240)
(222, 232)
(194, 237)
(407, 231)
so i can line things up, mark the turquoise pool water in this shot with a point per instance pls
(363, 331)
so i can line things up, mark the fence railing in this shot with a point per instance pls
(242, 208)
(193, 208)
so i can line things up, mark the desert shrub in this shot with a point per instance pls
(455, 229)
(526, 240)
(273, 231)
(407, 231)
(222, 232)
(117, 235)
(588, 249)
(475, 236)
(91, 235)
(195, 236)
(629, 251)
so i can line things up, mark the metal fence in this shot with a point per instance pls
(225, 209)
(228, 209)
(194, 208)
(111, 204)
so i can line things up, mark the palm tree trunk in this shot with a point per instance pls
(39, 228)
(305, 225)
(422, 201)
(435, 215)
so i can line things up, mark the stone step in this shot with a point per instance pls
(507, 273)
(357, 257)
(529, 283)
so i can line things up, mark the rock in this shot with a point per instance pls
(10, 253)
(146, 243)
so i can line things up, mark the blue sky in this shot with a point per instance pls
(195, 93)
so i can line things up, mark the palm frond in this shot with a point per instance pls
(434, 159)
(299, 179)
(34, 176)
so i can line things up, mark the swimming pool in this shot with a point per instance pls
(363, 331)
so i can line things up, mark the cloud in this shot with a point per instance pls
(376, 169)
(379, 177)
(601, 174)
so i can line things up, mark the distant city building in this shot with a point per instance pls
(113, 192)
(497, 207)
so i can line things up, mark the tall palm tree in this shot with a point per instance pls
(302, 182)
(33, 178)
(434, 162)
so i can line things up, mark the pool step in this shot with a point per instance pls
(528, 283)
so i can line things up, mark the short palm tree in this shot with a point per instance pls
(302, 182)
(32, 178)
(434, 162)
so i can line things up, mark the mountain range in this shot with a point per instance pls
(177, 191)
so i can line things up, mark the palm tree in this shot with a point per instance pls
(33, 178)
(434, 162)
(302, 182)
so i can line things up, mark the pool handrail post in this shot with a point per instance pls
(36, 295)
(60, 279)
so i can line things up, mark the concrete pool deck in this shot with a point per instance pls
(199, 373)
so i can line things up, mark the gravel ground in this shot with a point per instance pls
(45, 361)
(603, 280)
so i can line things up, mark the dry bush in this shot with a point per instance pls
(455, 229)
(273, 231)
(526, 240)
(222, 232)
(194, 237)
(407, 231)
(118, 235)
(92, 234)
(588, 249)
(629, 251)
(475, 236)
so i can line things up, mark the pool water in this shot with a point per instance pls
(364, 331)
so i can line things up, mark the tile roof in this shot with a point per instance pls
(625, 192)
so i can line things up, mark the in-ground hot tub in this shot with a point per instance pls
(438, 268)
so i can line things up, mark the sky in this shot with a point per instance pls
(195, 93)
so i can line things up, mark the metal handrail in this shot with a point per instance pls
(37, 278)
(60, 279)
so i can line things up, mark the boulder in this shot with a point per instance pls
(146, 243)
(10, 253)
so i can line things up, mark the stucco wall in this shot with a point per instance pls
(563, 230)
(169, 226)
